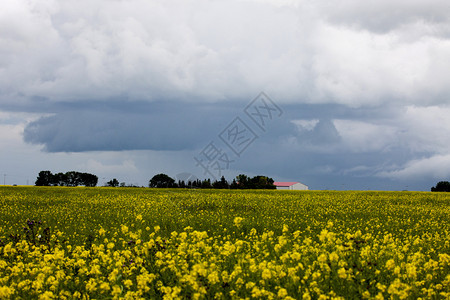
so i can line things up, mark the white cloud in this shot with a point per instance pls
(11, 136)
(426, 129)
(296, 51)
(307, 125)
(360, 136)
(437, 167)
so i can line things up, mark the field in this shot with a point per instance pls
(111, 243)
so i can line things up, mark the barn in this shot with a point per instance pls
(290, 185)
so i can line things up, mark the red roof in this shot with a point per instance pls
(278, 183)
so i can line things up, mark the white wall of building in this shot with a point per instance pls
(296, 186)
(299, 186)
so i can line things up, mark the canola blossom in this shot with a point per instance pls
(124, 243)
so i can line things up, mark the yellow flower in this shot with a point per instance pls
(322, 258)
(104, 286)
(411, 270)
(47, 295)
(213, 278)
(366, 295)
(381, 287)
(256, 292)
(282, 293)
(306, 296)
(116, 291)
(128, 283)
(390, 264)
(101, 232)
(334, 257)
(91, 285)
(6, 292)
(342, 273)
(249, 285)
(238, 221)
(266, 274)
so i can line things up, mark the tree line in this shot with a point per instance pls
(71, 178)
(241, 181)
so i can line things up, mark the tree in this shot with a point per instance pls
(222, 184)
(441, 186)
(90, 180)
(59, 179)
(113, 183)
(262, 182)
(234, 184)
(242, 181)
(258, 182)
(161, 181)
(45, 178)
(205, 184)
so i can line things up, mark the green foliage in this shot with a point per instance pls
(45, 178)
(257, 182)
(221, 184)
(161, 181)
(441, 186)
(72, 178)
(113, 183)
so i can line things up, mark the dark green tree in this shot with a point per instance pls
(72, 178)
(262, 182)
(161, 181)
(258, 182)
(221, 184)
(113, 183)
(242, 181)
(59, 179)
(89, 180)
(441, 186)
(45, 178)
(205, 184)
(234, 184)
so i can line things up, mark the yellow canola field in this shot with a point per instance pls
(99, 243)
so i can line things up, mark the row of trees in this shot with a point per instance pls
(115, 183)
(240, 182)
(72, 178)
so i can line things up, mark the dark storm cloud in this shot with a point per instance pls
(128, 126)
(121, 125)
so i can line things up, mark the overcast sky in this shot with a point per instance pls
(338, 95)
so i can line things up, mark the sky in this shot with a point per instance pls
(344, 95)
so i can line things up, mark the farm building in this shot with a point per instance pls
(290, 185)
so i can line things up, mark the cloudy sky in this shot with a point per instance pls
(355, 94)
